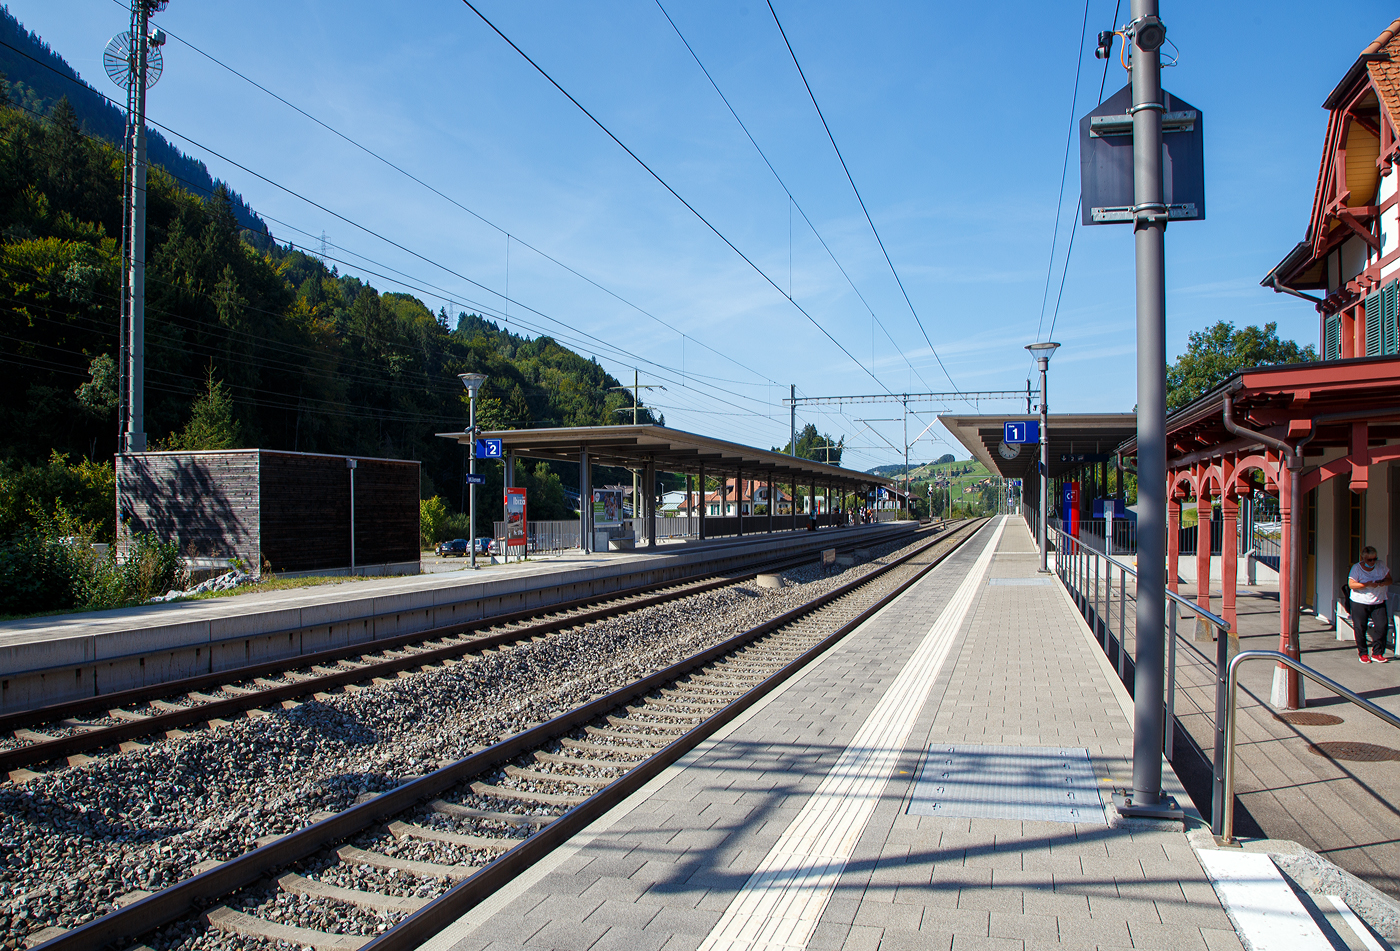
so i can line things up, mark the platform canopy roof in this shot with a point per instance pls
(1071, 436)
(672, 451)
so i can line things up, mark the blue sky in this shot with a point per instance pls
(951, 117)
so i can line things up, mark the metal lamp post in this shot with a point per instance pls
(472, 381)
(1042, 353)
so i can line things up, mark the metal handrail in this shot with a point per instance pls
(1227, 834)
(1069, 547)
(1215, 619)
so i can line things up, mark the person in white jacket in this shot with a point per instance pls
(1369, 582)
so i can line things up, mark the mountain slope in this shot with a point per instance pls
(38, 77)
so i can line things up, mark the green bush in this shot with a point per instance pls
(456, 525)
(33, 495)
(48, 572)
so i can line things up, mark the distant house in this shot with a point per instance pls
(734, 500)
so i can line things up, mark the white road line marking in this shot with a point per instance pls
(782, 901)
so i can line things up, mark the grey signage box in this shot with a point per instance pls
(1106, 161)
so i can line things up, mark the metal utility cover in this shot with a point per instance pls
(1106, 161)
(1020, 581)
(1038, 783)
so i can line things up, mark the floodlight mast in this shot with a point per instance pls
(473, 381)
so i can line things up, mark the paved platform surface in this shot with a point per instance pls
(1292, 783)
(1342, 806)
(791, 828)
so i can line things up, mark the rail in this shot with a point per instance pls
(1080, 567)
(117, 927)
(1227, 830)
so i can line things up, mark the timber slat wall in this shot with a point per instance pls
(289, 511)
(207, 500)
(297, 485)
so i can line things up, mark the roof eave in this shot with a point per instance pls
(1358, 69)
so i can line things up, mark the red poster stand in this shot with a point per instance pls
(515, 522)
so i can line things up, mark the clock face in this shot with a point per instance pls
(1009, 451)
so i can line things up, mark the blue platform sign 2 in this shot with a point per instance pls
(1021, 431)
(488, 449)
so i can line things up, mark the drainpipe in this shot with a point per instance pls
(1287, 688)
(1280, 289)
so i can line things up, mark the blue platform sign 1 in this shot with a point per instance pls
(488, 449)
(475, 479)
(1021, 431)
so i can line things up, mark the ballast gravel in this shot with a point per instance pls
(75, 840)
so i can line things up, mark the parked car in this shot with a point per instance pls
(458, 547)
(485, 545)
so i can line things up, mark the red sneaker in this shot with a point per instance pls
(1365, 658)
(1379, 658)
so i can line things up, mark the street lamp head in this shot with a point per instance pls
(472, 381)
(1042, 349)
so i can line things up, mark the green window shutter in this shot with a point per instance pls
(1332, 338)
(1389, 317)
(1373, 325)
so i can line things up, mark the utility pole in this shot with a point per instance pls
(134, 436)
(792, 419)
(1147, 33)
(636, 389)
(906, 458)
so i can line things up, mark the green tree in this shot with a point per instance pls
(432, 513)
(819, 447)
(211, 424)
(1215, 354)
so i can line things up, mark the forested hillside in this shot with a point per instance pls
(38, 78)
(312, 360)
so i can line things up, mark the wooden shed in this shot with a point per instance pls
(287, 511)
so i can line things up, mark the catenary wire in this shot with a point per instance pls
(788, 192)
(873, 230)
(454, 202)
(691, 208)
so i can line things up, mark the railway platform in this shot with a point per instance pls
(939, 779)
(52, 659)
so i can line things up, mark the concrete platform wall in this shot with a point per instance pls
(45, 669)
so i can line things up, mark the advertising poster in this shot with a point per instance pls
(515, 518)
(607, 507)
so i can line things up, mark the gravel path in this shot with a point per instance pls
(75, 840)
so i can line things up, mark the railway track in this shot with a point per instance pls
(71, 733)
(394, 869)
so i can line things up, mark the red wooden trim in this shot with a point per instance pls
(1380, 454)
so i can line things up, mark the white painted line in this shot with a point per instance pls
(1357, 926)
(782, 901)
(1266, 913)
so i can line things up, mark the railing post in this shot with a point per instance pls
(1122, 608)
(1169, 740)
(1222, 657)
(1097, 611)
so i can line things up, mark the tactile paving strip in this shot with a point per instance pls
(1040, 783)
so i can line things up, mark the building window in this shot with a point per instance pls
(1332, 337)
